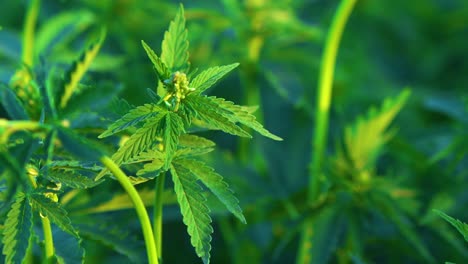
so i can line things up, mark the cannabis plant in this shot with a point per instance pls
(162, 140)
(47, 149)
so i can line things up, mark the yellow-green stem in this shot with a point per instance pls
(28, 34)
(158, 212)
(139, 207)
(325, 85)
(48, 240)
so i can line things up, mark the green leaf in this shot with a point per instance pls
(209, 77)
(69, 249)
(122, 242)
(194, 211)
(59, 30)
(17, 230)
(213, 116)
(79, 68)
(143, 139)
(121, 201)
(365, 137)
(151, 169)
(53, 211)
(459, 225)
(171, 127)
(78, 145)
(174, 50)
(215, 183)
(161, 69)
(132, 118)
(241, 114)
(72, 178)
(12, 104)
(399, 219)
(193, 141)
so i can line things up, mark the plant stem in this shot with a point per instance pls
(48, 240)
(321, 117)
(139, 207)
(158, 212)
(28, 34)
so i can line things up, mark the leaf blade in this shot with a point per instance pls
(17, 230)
(210, 77)
(54, 211)
(174, 50)
(194, 211)
(216, 184)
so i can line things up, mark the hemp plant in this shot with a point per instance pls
(162, 141)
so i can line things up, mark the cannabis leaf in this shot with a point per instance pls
(172, 126)
(174, 49)
(215, 183)
(17, 230)
(209, 77)
(459, 225)
(364, 138)
(224, 115)
(161, 69)
(143, 139)
(79, 68)
(54, 211)
(194, 211)
(132, 118)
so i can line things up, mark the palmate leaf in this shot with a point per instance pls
(215, 111)
(72, 178)
(143, 139)
(213, 115)
(132, 118)
(79, 68)
(209, 77)
(194, 211)
(215, 183)
(17, 230)
(459, 225)
(53, 211)
(241, 114)
(12, 104)
(113, 237)
(174, 49)
(364, 138)
(171, 127)
(69, 250)
(161, 69)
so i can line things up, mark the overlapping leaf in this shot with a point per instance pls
(53, 211)
(194, 211)
(172, 126)
(209, 77)
(214, 116)
(17, 230)
(132, 118)
(215, 183)
(161, 69)
(174, 50)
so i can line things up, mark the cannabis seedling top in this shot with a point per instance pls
(161, 141)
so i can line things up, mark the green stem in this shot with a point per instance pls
(48, 240)
(139, 207)
(158, 212)
(28, 34)
(321, 118)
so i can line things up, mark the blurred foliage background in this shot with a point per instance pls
(386, 46)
